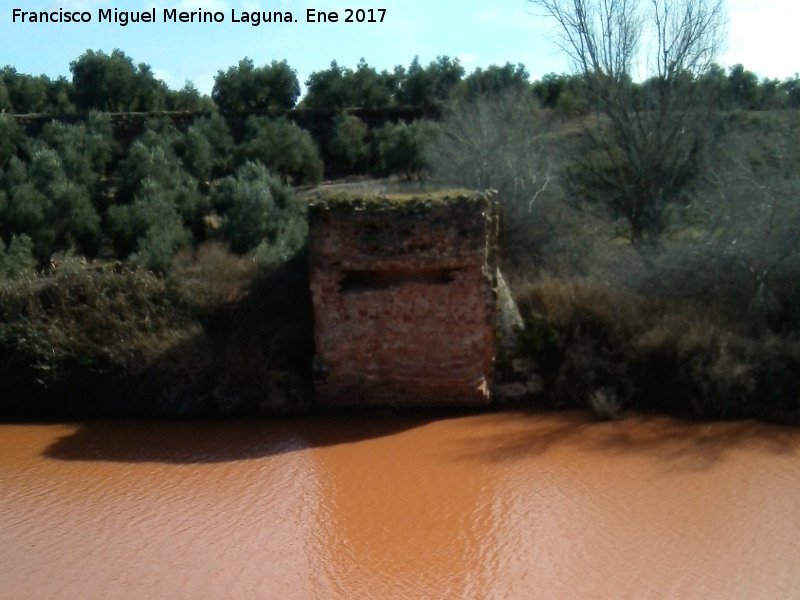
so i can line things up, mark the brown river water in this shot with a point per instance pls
(493, 505)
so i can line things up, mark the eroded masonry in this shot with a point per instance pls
(404, 299)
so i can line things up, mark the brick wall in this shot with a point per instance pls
(404, 300)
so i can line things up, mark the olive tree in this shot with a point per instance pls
(338, 87)
(85, 150)
(150, 230)
(258, 210)
(283, 147)
(41, 202)
(399, 148)
(12, 139)
(646, 142)
(348, 144)
(207, 147)
(114, 83)
(272, 87)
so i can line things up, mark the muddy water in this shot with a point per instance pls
(501, 505)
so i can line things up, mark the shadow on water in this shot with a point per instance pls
(683, 444)
(487, 437)
(193, 442)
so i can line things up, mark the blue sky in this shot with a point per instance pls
(762, 36)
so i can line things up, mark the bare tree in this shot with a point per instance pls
(752, 215)
(740, 249)
(645, 142)
(493, 142)
(503, 143)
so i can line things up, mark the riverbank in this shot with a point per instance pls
(220, 337)
(216, 336)
(611, 351)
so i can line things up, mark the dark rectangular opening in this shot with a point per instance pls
(370, 280)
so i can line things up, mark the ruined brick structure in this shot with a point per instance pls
(404, 300)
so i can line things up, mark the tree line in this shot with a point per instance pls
(115, 83)
(73, 187)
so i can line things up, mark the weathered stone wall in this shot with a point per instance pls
(404, 300)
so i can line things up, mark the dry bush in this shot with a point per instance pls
(225, 338)
(750, 235)
(262, 345)
(706, 320)
(608, 350)
(212, 275)
(734, 244)
(83, 333)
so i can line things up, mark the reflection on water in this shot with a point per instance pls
(501, 505)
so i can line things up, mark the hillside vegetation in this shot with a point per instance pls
(163, 271)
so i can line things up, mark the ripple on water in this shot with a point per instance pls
(500, 505)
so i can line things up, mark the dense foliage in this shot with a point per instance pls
(74, 191)
(138, 250)
(272, 87)
(114, 83)
(284, 147)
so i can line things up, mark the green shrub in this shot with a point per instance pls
(284, 148)
(12, 139)
(348, 143)
(17, 258)
(85, 150)
(246, 87)
(291, 236)
(206, 148)
(257, 208)
(197, 155)
(152, 156)
(188, 99)
(114, 83)
(56, 214)
(399, 148)
(15, 173)
(153, 163)
(78, 222)
(151, 227)
(215, 337)
(76, 341)
(156, 249)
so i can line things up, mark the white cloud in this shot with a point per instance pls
(204, 82)
(763, 37)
